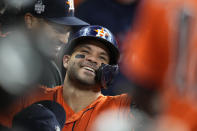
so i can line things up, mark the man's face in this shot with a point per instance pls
(83, 69)
(51, 37)
(57, 35)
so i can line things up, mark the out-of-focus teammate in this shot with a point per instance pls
(160, 55)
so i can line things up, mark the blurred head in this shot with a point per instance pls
(40, 116)
(50, 35)
(87, 50)
(52, 21)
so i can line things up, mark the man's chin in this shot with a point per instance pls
(83, 79)
(87, 81)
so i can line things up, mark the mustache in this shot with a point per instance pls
(89, 64)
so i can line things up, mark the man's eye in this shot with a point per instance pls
(103, 58)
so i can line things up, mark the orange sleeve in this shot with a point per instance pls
(124, 102)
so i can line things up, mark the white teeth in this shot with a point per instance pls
(90, 69)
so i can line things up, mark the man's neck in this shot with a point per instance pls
(78, 98)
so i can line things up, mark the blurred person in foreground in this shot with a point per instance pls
(160, 57)
(91, 63)
(15, 47)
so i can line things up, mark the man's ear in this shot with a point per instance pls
(66, 59)
(29, 20)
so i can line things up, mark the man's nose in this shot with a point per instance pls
(92, 59)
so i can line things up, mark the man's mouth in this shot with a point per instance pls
(89, 69)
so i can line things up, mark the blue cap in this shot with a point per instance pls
(57, 11)
(41, 116)
(100, 33)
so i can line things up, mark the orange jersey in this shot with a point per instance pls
(161, 51)
(79, 121)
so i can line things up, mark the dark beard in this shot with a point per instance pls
(74, 77)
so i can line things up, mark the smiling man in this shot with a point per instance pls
(91, 63)
(85, 71)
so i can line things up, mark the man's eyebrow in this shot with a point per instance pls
(85, 46)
